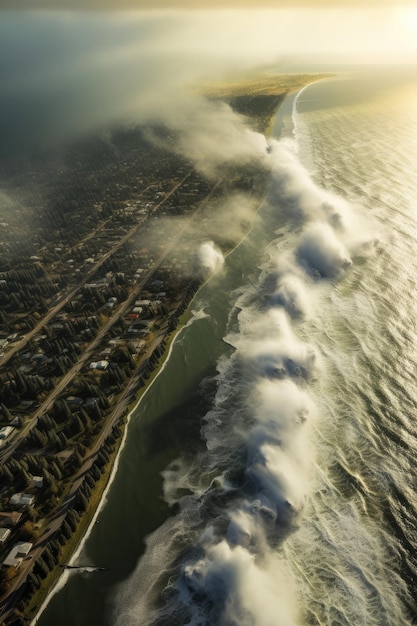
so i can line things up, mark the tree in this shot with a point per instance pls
(6, 576)
(81, 502)
(56, 470)
(33, 581)
(76, 459)
(66, 529)
(42, 567)
(48, 557)
(28, 532)
(95, 472)
(72, 519)
(31, 513)
(90, 480)
(6, 474)
(63, 439)
(23, 478)
(7, 416)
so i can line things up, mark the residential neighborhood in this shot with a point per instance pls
(89, 298)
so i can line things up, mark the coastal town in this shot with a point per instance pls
(98, 264)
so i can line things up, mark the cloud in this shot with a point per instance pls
(209, 258)
(230, 576)
(291, 294)
(322, 252)
(212, 134)
(193, 4)
(66, 73)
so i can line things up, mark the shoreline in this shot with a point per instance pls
(64, 576)
(170, 337)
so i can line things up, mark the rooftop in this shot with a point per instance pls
(17, 554)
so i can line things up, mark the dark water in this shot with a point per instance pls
(272, 465)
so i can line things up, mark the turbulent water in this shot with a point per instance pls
(292, 481)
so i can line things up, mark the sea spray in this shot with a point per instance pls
(257, 446)
(348, 555)
(239, 500)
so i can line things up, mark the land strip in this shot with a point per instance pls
(87, 343)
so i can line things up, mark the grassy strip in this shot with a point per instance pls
(269, 85)
(69, 548)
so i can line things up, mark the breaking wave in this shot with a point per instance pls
(276, 521)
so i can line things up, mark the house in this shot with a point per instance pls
(99, 365)
(16, 555)
(22, 499)
(37, 481)
(91, 402)
(4, 534)
(24, 406)
(6, 431)
(74, 400)
(9, 518)
(39, 356)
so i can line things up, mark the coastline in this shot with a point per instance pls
(154, 392)
(62, 579)
(82, 534)
(183, 324)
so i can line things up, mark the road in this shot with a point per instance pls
(7, 453)
(55, 520)
(63, 301)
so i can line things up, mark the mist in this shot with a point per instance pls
(209, 259)
(65, 74)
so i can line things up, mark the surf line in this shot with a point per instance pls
(71, 566)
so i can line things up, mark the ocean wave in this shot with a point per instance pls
(297, 510)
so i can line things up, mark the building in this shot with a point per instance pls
(6, 431)
(16, 555)
(37, 481)
(9, 518)
(22, 499)
(4, 534)
(99, 365)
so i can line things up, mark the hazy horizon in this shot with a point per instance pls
(65, 73)
(72, 5)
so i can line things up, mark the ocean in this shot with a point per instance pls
(269, 474)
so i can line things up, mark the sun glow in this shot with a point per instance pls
(407, 24)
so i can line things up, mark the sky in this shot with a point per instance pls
(199, 4)
(65, 72)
